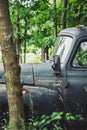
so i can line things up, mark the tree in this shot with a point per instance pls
(11, 67)
(55, 19)
(64, 14)
(76, 12)
(18, 30)
(43, 36)
(35, 24)
(39, 21)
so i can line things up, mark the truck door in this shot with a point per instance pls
(76, 91)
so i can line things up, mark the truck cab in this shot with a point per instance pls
(59, 84)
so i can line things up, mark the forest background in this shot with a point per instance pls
(36, 24)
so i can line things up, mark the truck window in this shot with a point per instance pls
(80, 59)
(62, 47)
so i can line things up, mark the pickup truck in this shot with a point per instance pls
(59, 84)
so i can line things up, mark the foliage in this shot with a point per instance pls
(3, 119)
(76, 13)
(36, 20)
(55, 121)
(10, 126)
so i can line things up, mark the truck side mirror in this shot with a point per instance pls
(56, 64)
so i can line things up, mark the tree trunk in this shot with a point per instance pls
(11, 67)
(55, 19)
(47, 52)
(25, 33)
(64, 14)
(17, 32)
(42, 54)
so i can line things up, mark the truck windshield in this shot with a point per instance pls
(62, 47)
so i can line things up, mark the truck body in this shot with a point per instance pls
(59, 84)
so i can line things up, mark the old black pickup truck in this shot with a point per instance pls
(59, 84)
